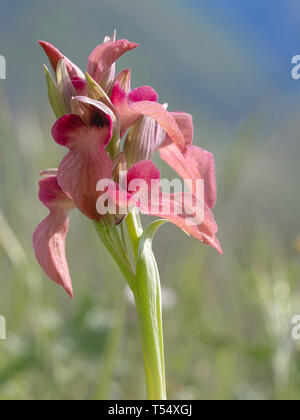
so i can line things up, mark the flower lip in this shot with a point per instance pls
(86, 162)
(50, 236)
(50, 192)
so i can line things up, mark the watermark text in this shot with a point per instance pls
(156, 197)
(2, 328)
(296, 328)
(2, 67)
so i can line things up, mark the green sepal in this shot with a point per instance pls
(95, 91)
(55, 99)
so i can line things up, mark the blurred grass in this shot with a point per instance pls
(227, 319)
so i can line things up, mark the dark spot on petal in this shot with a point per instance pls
(98, 120)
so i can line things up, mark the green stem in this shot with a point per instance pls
(145, 285)
(153, 350)
(104, 233)
(149, 311)
(135, 230)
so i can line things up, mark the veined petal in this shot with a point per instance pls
(106, 54)
(195, 164)
(50, 236)
(143, 139)
(163, 118)
(185, 124)
(87, 162)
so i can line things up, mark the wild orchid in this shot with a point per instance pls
(111, 134)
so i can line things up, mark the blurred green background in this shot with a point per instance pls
(227, 319)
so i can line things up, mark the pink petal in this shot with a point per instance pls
(87, 161)
(119, 99)
(179, 215)
(195, 164)
(124, 79)
(144, 170)
(143, 139)
(55, 56)
(142, 102)
(103, 56)
(184, 210)
(185, 124)
(143, 93)
(118, 200)
(123, 103)
(138, 179)
(50, 236)
(80, 85)
(164, 118)
(52, 53)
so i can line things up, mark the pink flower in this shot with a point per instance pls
(143, 101)
(102, 108)
(87, 160)
(100, 64)
(104, 56)
(195, 163)
(178, 208)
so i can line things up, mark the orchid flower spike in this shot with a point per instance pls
(95, 110)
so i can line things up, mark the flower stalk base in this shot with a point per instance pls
(144, 282)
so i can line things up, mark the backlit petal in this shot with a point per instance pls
(50, 236)
(195, 164)
(106, 54)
